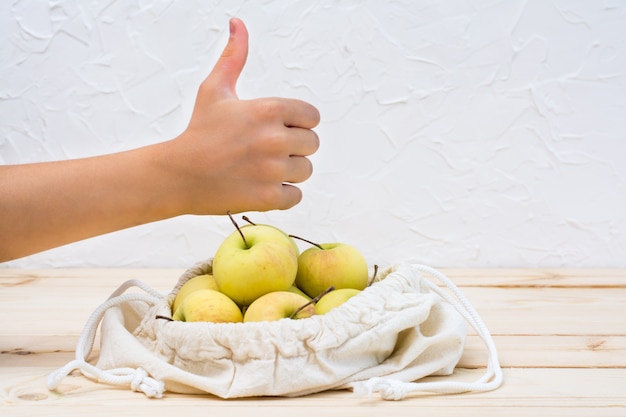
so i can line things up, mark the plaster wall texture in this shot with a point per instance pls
(462, 133)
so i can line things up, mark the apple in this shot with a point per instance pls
(205, 281)
(334, 299)
(208, 305)
(253, 261)
(251, 223)
(278, 305)
(297, 290)
(331, 264)
(293, 242)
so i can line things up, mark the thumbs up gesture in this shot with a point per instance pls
(242, 155)
(235, 155)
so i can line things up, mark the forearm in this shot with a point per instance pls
(50, 204)
(234, 156)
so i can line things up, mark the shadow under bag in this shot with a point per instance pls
(397, 331)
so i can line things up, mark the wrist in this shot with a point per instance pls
(160, 182)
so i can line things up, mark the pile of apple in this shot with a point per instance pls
(259, 274)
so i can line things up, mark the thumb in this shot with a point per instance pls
(223, 77)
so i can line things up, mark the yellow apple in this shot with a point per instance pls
(264, 260)
(331, 264)
(278, 305)
(208, 305)
(293, 242)
(206, 281)
(297, 290)
(334, 299)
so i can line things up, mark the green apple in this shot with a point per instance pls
(253, 261)
(278, 305)
(208, 305)
(297, 290)
(331, 264)
(334, 299)
(206, 281)
(293, 242)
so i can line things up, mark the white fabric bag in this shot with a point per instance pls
(400, 329)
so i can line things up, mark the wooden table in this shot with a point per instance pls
(561, 336)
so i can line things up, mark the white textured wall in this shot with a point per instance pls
(456, 133)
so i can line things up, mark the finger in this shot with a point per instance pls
(274, 197)
(291, 195)
(304, 142)
(299, 169)
(298, 113)
(223, 78)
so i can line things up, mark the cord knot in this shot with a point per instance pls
(389, 389)
(142, 382)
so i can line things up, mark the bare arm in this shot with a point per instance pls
(235, 155)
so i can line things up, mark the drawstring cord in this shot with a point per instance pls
(138, 379)
(392, 389)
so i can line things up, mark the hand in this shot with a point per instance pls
(242, 155)
(235, 155)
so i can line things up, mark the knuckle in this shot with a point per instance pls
(270, 109)
(275, 170)
(270, 196)
(270, 170)
(206, 87)
(275, 141)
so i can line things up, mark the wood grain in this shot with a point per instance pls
(560, 334)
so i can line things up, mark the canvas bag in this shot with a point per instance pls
(403, 327)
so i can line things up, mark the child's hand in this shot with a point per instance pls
(236, 154)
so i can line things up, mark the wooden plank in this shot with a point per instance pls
(60, 303)
(538, 277)
(506, 311)
(165, 278)
(58, 307)
(93, 280)
(561, 335)
(514, 351)
(598, 392)
(546, 311)
(549, 351)
(286, 410)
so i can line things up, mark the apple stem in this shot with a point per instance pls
(307, 241)
(163, 318)
(375, 274)
(313, 301)
(238, 229)
(248, 220)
